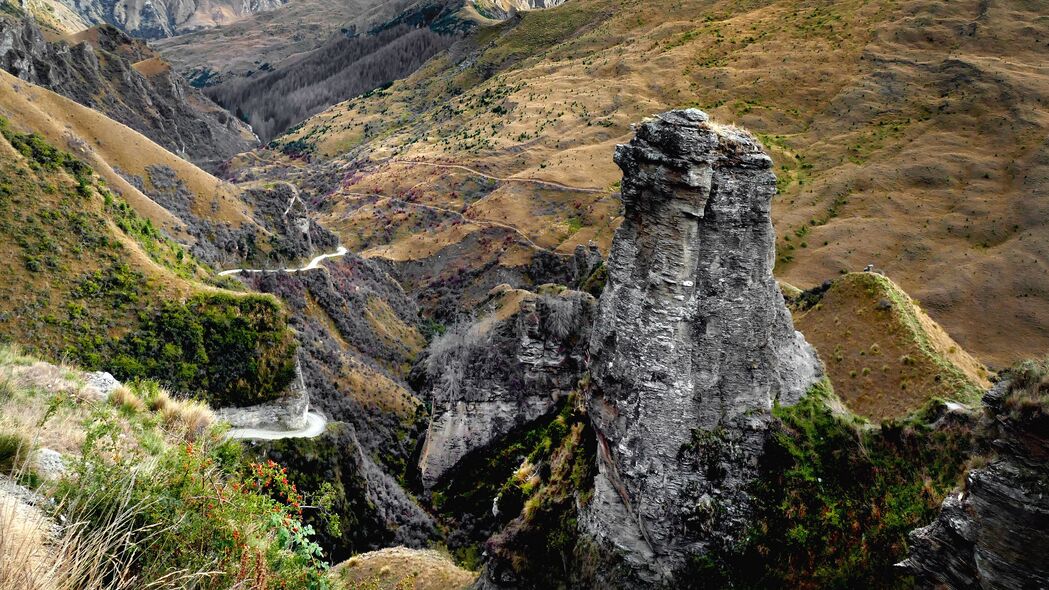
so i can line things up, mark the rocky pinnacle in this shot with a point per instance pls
(692, 347)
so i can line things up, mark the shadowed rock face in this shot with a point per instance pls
(993, 534)
(494, 377)
(691, 348)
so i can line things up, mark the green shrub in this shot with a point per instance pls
(838, 498)
(232, 350)
(203, 521)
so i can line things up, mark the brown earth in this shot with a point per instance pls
(909, 134)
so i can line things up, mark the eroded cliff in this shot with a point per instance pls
(691, 348)
(993, 533)
(490, 378)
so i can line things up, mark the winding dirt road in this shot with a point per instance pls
(315, 263)
(315, 426)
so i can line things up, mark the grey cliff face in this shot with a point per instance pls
(994, 533)
(156, 19)
(101, 75)
(691, 348)
(494, 377)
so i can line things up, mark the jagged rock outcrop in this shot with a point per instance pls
(495, 376)
(995, 533)
(691, 348)
(124, 79)
(156, 19)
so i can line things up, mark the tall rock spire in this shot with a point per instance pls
(691, 348)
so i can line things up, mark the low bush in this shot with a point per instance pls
(230, 350)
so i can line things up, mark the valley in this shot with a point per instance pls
(493, 294)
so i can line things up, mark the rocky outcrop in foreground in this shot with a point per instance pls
(106, 70)
(995, 533)
(502, 373)
(691, 348)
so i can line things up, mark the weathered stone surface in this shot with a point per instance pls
(691, 348)
(501, 373)
(100, 384)
(286, 413)
(994, 533)
(49, 463)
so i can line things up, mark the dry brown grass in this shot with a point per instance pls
(190, 416)
(883, 354)
(128, 400)
(106, 145)
(909, 134)
(400, 568)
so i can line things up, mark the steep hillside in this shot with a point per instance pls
(376, 43)
(164, 18)
(222, 224)
(260, 41)
(52, 15)
(885, 356)
(106, 70)
(89, 279)
(890, 150)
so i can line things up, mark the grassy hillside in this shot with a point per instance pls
(908, 134)
(148, 491)
(54, 17)
(88, 278)
(885, 356)
(118, 153)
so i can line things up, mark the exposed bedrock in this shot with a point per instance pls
(691, 348)
(995, 532)
(490, 378)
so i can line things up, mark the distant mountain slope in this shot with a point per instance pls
(221, 223)
(259, 42)
(106, 70)
(384, 41)
(154, 19)
(931, 164)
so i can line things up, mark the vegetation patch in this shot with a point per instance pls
(231, 350)
(838, 497)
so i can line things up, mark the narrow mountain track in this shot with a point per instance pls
(315, 426)
(474, 171)
(315, 263)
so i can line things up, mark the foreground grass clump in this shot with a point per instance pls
(838, 496)
(153, 495)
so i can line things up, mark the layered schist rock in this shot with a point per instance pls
(108, 71)
(691, 348)
(994, 533)
(491, 378)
